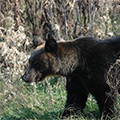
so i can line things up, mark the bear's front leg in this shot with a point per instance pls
(76, 97)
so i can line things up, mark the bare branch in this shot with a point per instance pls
(93, 15)
(78, 16)
(64, 12)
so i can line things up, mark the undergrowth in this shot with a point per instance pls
(33, 102)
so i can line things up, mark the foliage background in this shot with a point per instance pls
(20, 21)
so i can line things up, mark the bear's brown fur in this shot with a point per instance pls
(85, 63)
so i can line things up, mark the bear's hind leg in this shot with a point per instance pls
(107, 104)
(76, 97)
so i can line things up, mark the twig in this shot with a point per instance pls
(35, 17)
(93, 15)
(78, 16)
(74, 35)
(89, 16)
(64, 12)
(51, 16)
(50, 91)
(50, 26)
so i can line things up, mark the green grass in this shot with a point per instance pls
(30, 103)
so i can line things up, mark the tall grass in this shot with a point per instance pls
(33, 102)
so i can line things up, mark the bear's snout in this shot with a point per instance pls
(29, 76)
(24, 78)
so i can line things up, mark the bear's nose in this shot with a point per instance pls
(23, 77)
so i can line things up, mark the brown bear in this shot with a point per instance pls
(85, 62)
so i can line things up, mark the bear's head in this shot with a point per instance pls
(43, 62)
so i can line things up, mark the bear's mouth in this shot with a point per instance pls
(39, 78)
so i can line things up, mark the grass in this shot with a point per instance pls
(30, 103)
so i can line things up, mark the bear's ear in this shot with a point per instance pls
(51, 45)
